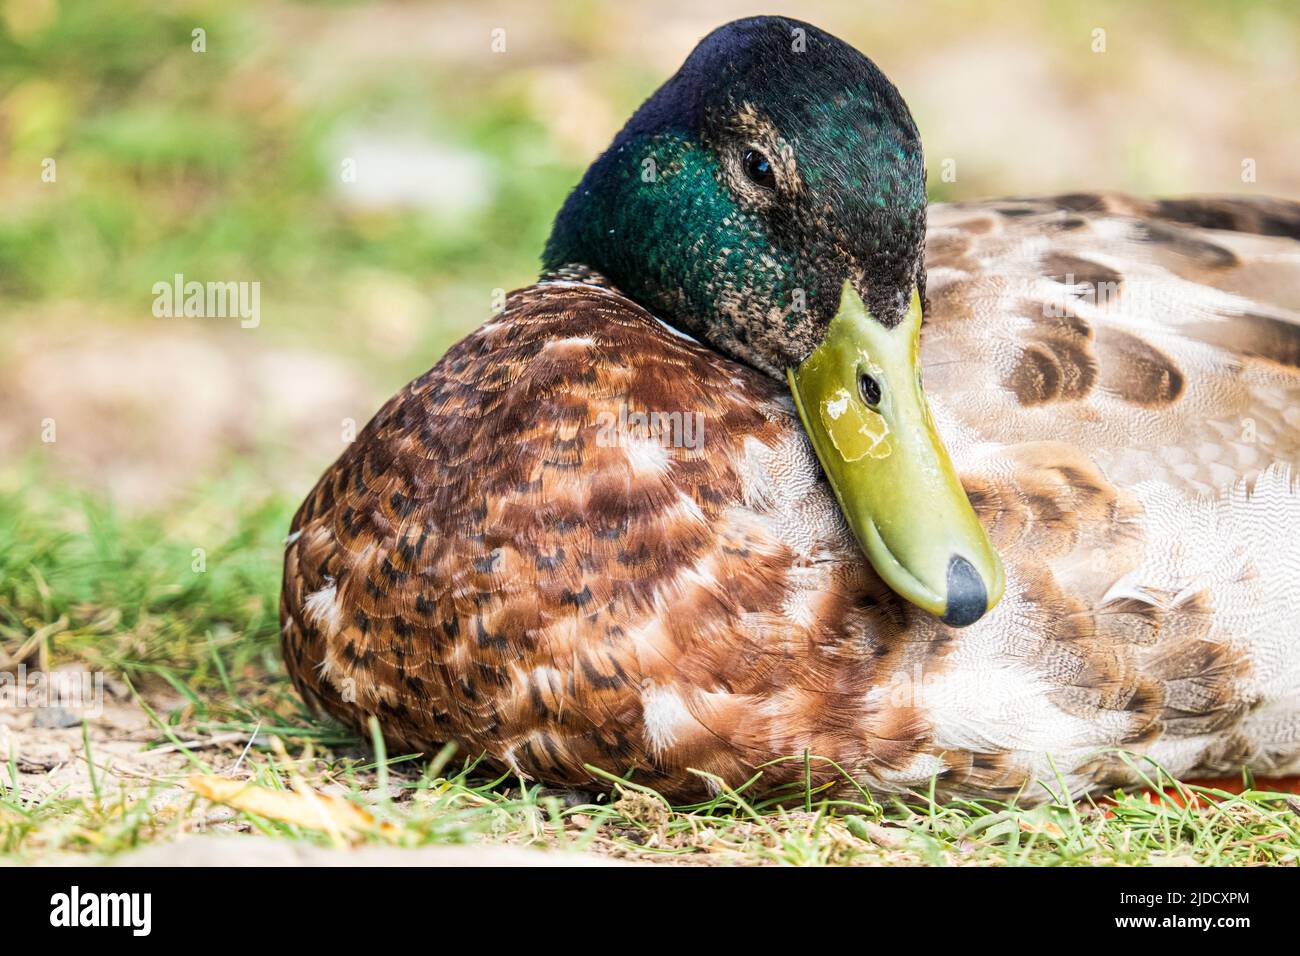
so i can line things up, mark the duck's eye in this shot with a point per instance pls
(759, 170)
(869, 389)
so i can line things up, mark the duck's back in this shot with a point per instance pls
(1160, 347)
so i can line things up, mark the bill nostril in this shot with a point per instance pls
(968, 599)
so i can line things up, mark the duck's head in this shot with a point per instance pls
(769, 199)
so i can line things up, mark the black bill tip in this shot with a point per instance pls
(968, 599)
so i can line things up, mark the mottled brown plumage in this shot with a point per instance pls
(507, 559)
(514, 568)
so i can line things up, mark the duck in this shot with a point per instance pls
(781, 472)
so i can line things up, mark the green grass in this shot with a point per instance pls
(121, 595)
(430, 805)
(132, 595)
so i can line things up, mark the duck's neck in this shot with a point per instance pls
(581, 274)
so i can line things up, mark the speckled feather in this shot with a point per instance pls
(493, 563)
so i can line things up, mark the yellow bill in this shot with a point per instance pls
(859, 395)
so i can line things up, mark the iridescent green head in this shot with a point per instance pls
(776, 163)
(769, 199)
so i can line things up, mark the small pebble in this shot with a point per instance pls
(51, 718)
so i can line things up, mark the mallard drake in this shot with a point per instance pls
(681, 509)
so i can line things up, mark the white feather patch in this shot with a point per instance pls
(646, 456)
(663, 713)
(322, 609)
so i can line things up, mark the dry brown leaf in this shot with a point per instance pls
(1041, 826)
(305, 808)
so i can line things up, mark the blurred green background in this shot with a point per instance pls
(229, 165)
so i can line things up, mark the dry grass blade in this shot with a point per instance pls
(34, 642)
(304, 808)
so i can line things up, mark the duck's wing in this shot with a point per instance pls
(1160, 347)
(1120, 382)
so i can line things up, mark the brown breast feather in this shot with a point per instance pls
(485, 565)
